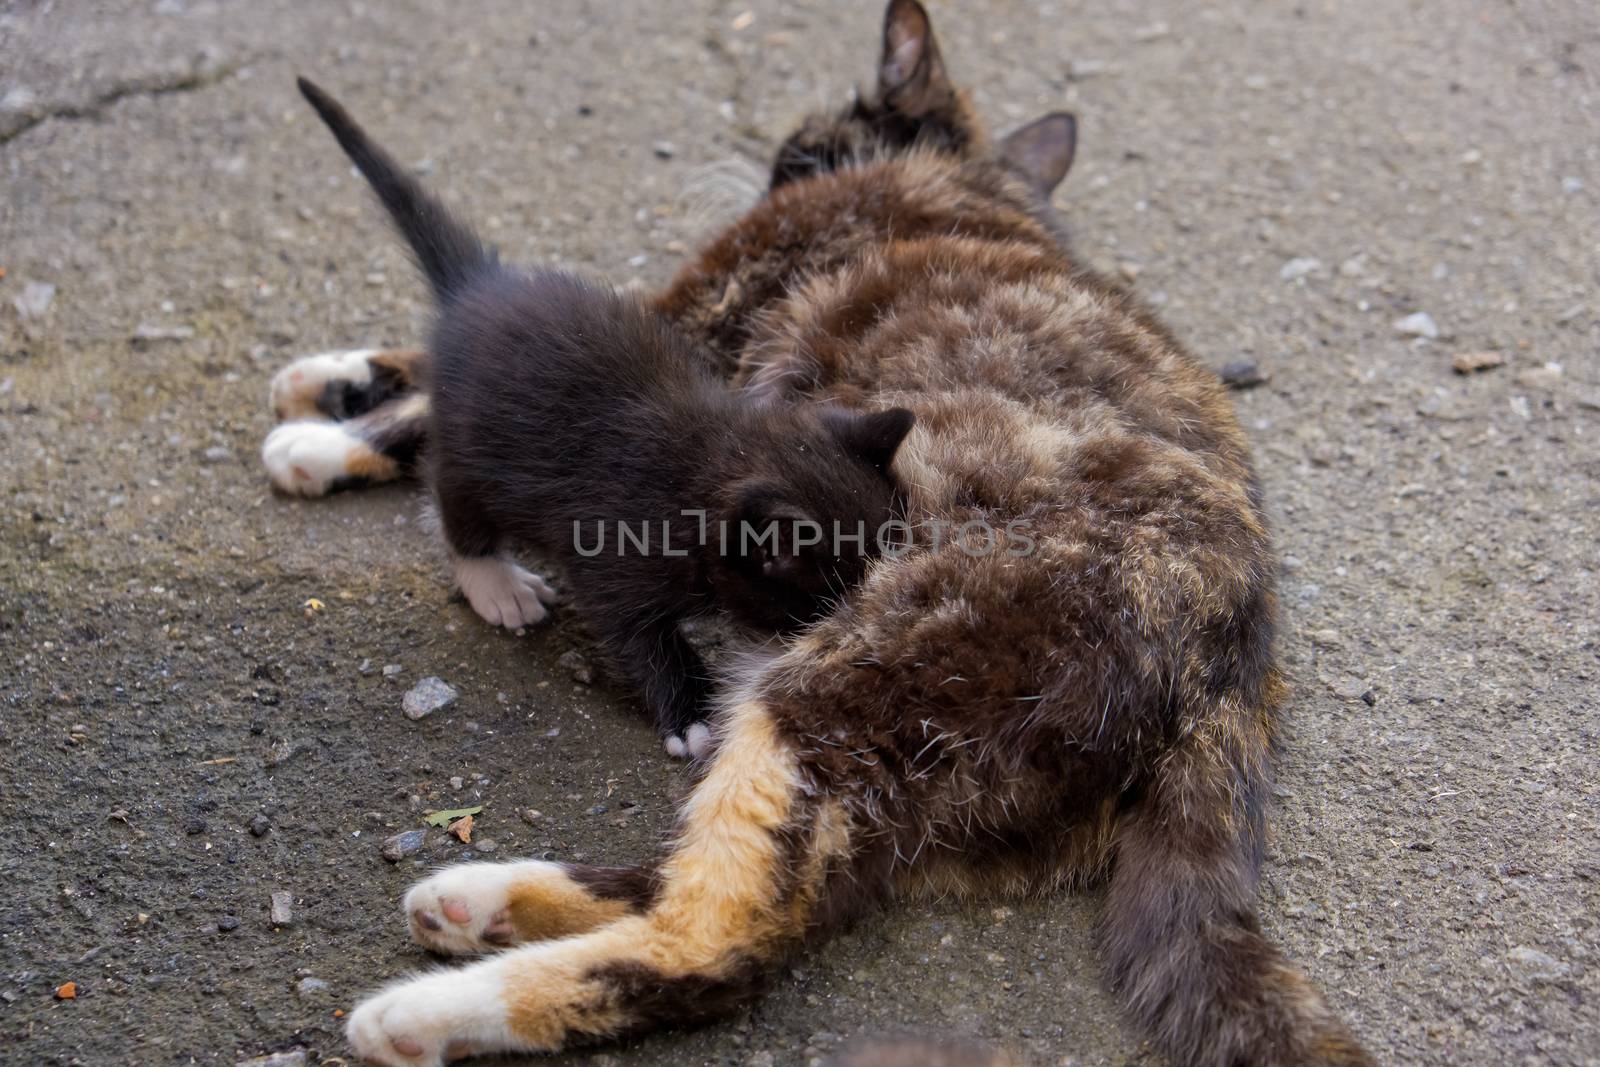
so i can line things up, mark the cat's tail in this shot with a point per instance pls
(448, 252)
(1185, 949)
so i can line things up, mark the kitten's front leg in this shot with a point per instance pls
(503, 593)
(673, 679)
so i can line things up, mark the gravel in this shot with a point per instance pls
(401, 845)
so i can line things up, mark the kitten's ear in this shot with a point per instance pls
(1043, 149)
(874, 437)
(911, 75)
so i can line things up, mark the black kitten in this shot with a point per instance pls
(570, 418)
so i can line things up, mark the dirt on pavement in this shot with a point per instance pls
(181, 737)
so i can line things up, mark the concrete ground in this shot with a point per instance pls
(180, 738)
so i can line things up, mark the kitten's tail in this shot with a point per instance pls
(1184, 946)
(448, 252)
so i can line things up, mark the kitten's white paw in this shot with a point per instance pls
(699, 740)
(503, 593)
(307, 458)
(466, 908)
(424, 1021)
(693, 743)
(297, 388)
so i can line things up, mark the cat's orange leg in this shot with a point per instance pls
(314, 457)
(734, 893)
(341, 385)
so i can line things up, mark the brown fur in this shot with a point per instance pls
(1105, 707)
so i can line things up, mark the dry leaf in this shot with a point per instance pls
(461, 829)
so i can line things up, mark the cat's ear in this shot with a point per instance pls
(1043, 149)
(911, 75)
(874, 437)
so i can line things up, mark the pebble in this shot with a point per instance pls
(392, 669)
(147, 331)
(1292, 563)
(457, 782)
(259, 826)
(34, 300)
(574, 664)
(282, 910)
(194, 826)
(364, 668)
(1537, 965)
(1299, 267)
(310, 987)
(401, 845)
(1420, 324)
(292, 1058)
(228, 923)
(217, 454)
(1473, 362)
(486, 845)
(665, 149)
(426, 697)
(1242, 374)
(1545, 377)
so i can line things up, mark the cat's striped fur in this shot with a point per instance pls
(1102, 709)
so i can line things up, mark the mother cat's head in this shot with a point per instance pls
(917, 109)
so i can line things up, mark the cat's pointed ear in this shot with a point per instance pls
(1043, 149)
(874, 437)
(911, 75)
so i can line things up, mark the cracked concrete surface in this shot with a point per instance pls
(164, 694)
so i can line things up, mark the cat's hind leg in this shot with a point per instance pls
(313, 457)
(343, 385)
(738, 889)
(480, 907)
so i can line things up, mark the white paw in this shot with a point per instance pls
(695, 743)
(466, 908)
(297, 387)
(307, 458)
(424, 1021)
(503, 593)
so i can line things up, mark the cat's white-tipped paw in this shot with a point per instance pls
(466, 908)
(694, 743)
(502, 593)
(308, 458)
(297, 389)
(432, 1019)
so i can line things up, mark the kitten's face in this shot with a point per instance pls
(917, 108)
(803, 528)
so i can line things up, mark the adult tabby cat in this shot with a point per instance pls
(1104, 708)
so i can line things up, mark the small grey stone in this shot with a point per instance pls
(1419, 324)
(1298, 268)
(1537, 965)
(665, 149)
(194, 826)
(1242, 374)
(364, 668)
(34, 300)
(486, 845)
(292, 1058)
(401, 845)
(428, 696)
(217, 454)
(228, 923)
(282, 910)
(392, 669)
(310, 987)
(259, 826)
